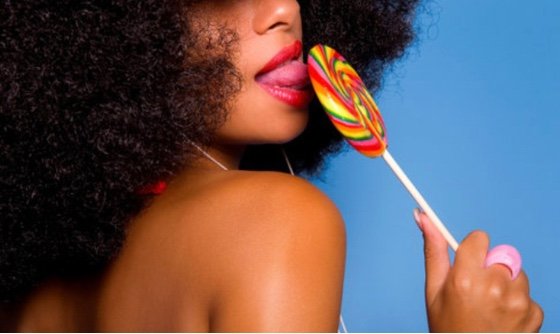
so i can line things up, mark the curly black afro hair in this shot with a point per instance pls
(99, 98)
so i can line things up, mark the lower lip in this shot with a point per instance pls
(296, 98)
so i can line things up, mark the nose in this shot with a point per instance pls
(275, 15)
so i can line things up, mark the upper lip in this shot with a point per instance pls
(288, 53)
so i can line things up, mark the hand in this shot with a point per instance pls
(467, 297)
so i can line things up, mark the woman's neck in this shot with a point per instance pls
(223, 156)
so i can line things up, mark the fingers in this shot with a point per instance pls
(472, 251)
(472, 295)
(521, 301)
(512, 293)
(436, 256)
(536, 318)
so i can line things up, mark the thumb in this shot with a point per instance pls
(436, 256)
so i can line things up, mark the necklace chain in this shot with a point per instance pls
(222, 166)
(209, 157)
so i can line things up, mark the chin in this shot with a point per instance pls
(274, 133)
(282, 133)
(258, 123)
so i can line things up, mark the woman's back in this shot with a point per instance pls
(217, 251)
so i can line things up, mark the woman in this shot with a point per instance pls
(131, 135)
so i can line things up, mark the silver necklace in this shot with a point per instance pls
(209, 157)
(222, 166)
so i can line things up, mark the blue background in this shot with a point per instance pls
(473, 118)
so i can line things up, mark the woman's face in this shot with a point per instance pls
(272, 104)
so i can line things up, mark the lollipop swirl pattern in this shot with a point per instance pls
(347, 101)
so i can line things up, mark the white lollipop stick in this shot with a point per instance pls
(419, 199)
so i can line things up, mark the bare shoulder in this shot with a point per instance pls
(248, 251)
(271, 212)
(269, 196)
(283, 249)
(263, 204)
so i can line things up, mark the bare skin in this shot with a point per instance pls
(207, 256)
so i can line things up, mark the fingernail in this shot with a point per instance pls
(417, 218)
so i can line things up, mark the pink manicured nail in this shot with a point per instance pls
(417, 218)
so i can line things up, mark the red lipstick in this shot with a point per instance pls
(285, 77)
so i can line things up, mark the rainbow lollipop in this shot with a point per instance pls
(354, 113)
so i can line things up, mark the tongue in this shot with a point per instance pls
(293, 74)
